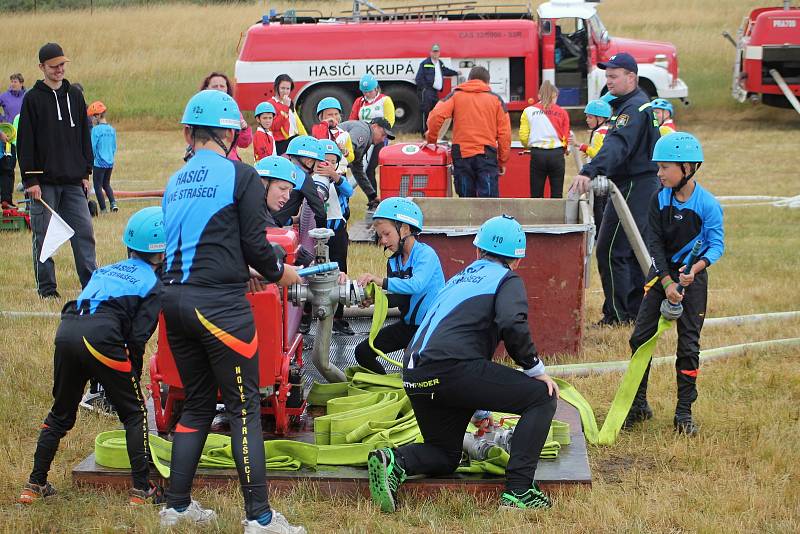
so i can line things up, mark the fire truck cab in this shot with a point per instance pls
(562, 42)
(768, 42)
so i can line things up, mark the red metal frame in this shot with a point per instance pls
(765, 29)
(279, 345)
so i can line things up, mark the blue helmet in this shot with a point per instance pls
(214, 109)
(145, 231)
(264, 107)
(402, 210)
(663, 103)
(501, 236)
(277, 168)
(305, 146)
(678, 147)
(608, 98)
(599, 108)
(368, 83)
(328, 103)
(329, 147)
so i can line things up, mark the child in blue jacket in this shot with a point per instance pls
(102, 336)
(682, 213)
(414, 277)
(104, 147)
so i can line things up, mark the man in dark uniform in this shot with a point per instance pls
(626, 159)
(215, 219)
(430, 80)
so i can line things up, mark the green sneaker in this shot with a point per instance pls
(385, 477)
(530, 499)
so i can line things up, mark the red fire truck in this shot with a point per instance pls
(562, 42)
(767, 63)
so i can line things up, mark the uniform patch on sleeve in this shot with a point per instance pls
(361, 140)
(622, 121)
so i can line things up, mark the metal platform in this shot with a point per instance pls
(568, 471)
(571, 468)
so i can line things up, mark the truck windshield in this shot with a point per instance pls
(598, 30)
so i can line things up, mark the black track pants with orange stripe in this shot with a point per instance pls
(690, 324)
(214, 343)
(81, 353)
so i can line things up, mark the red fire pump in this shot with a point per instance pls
(280, 350)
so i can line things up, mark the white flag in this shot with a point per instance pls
(58, 233)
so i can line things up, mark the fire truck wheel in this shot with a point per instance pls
(406, 105)
(308, 105)
(648, 87)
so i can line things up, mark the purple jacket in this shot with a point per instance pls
(11, 102)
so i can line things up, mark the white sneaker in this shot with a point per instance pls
(278, 525)
(194, 513)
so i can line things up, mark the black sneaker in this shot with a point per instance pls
(685, 425)
(33, 492)
(372, 205)
(50, 295)
(305, 324)
(342, 328)
(385, 477)
(637, 414)
(528, 500)
(153, 495)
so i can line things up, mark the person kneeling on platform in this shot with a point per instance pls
(681, 213)
(102, 336)
(414, 277)
(448, 374)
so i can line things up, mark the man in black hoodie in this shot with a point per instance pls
(55, 156)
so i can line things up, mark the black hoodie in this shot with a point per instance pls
(54, 142)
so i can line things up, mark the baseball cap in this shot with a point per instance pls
(622, 60)
(383, 123)
(435, 48)
(52, 54)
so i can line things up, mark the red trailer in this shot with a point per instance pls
(767, 64)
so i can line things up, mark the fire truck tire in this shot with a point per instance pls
(648, 87)
(308, 105)
(406, 105)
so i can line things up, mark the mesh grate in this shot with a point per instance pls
(413, 185)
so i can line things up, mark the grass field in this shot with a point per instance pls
(742, 474)
(143, 62)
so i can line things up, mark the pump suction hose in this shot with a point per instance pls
(670, 311)
(318, 269)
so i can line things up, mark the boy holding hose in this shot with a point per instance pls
(681, 214)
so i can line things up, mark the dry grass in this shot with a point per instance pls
(143, 62)
(741, 475)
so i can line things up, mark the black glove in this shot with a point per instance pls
(303, 257)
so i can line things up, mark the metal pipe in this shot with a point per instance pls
(320, 354)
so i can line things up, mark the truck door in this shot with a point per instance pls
(572, 56)
(598, 45)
